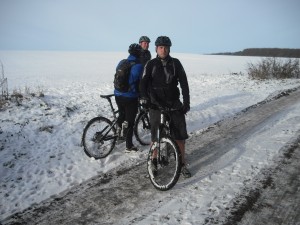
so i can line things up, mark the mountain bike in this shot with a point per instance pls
(100, 134)
(164, 157)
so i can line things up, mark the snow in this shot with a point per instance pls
(40, 137)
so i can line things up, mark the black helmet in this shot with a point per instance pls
(144, 38)
(163, 41)
(135, 49)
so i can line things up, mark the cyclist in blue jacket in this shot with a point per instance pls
(127, 102)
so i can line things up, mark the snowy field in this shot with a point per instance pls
(40, 137)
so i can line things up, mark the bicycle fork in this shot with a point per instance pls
(157, 153)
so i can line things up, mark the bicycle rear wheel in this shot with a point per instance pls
(167, 171)
(99, 137)
(141, 128)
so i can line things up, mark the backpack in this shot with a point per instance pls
(121, 80)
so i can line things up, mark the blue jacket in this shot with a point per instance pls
(134, 79)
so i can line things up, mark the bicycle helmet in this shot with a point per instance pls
(163, 41)
(144, 38)
(135, 49)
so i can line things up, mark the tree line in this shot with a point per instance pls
(265, 52)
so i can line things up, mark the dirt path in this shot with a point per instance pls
(278, 201)
(108, 198)
(268, 199)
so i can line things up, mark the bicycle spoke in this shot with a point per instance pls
(168, 165)
(99, 138)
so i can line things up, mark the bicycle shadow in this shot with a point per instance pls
(208, 160)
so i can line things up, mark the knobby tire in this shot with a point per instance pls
(168, 171)
(96, 142)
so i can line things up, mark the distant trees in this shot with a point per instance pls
(274, 66)
(266, 52)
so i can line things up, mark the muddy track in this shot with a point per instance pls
(268, 199)
(106, 199)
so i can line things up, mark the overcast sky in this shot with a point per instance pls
(194, 26)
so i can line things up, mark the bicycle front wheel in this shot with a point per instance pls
(142, 129)
(99, 137)
(164, 172)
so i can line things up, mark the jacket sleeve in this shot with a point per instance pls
(183, 84)
(145, 81)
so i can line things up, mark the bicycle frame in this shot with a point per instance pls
(114, 111)
(105, 136)
(108, 98)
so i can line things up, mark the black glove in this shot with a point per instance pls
(144, 102)
(185, 108)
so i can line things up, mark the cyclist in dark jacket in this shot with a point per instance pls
(144, 42)
(159, 85)
(127, 102)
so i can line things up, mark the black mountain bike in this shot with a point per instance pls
(164, 158)
(100, 134)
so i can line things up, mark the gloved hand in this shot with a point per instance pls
(144, 102)
(185, 108)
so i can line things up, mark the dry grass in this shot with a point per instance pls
(274, 68)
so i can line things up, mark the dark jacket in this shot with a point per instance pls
(134, 79)
(160, 82)
(145, 56)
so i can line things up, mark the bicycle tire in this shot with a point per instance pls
(168, 171)
(94, 143)
(142, 131)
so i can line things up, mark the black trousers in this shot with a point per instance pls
(128, 108)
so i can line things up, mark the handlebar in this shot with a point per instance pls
(151, 105)
(163, 108)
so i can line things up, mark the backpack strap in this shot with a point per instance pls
(169, 76)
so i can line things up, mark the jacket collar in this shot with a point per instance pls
(132, 58)
(165, 59)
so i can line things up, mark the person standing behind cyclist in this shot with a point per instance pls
(127, 102)
(144, 42)
(161, 77)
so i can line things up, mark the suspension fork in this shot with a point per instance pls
(160, 133)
